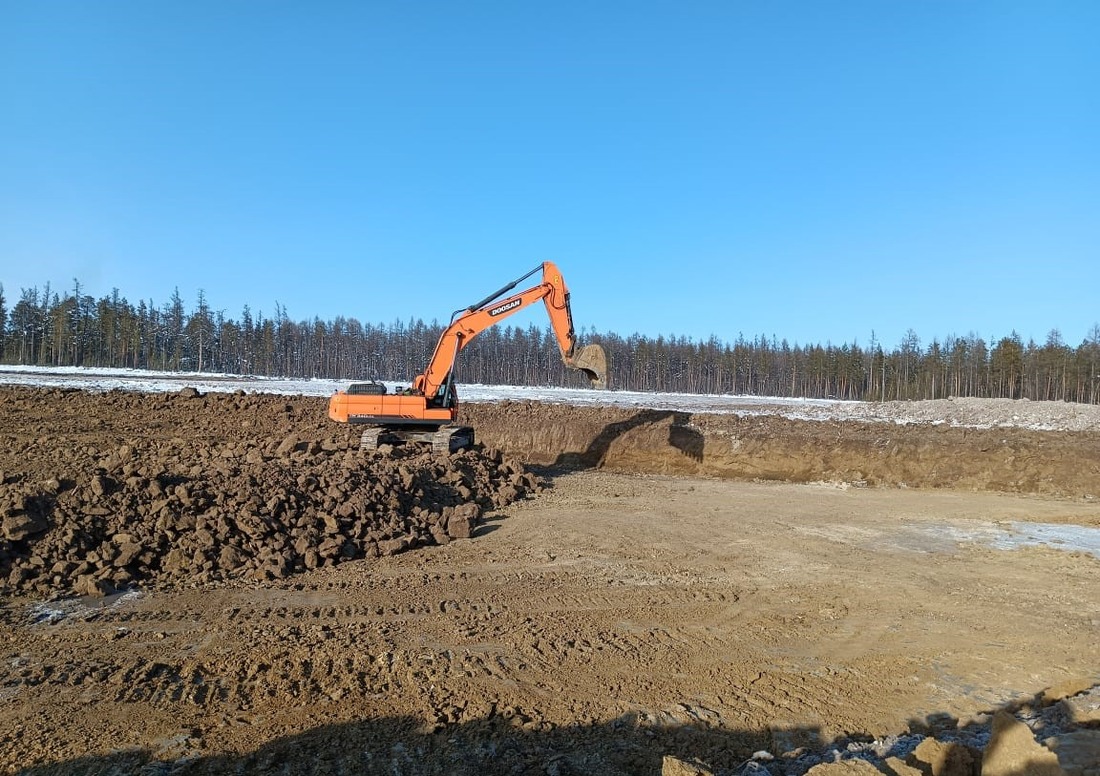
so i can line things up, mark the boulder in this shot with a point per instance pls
(460, 523)
(1078, 752)
(1012, 750)
(845, 768)
(21, 525)
(92, 586)
(942, 758)
(674, 766)
(895, 767)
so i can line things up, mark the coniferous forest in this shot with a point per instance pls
(70, 328)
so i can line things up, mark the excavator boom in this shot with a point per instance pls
(467, 324)
(431, 401)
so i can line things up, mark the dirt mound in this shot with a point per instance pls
(91, 518)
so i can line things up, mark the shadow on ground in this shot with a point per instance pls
(509, 743)
(681, 436)
(400, 746)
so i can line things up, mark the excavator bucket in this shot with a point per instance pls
(593, 362)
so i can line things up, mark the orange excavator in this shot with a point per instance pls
(426, 410)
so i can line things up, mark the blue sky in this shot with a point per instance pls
(810, 170)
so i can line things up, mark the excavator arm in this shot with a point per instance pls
(467, 324)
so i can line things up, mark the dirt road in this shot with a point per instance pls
(610, 620)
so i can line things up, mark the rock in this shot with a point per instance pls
(176, 561)
(1083, 708)
(62, 567)
(18, 576)
(1078, 752)
(91, 586)
(1064, 690)
(278, 569)
(229, 558)
(939, 758)
(507, 495)
(673, 766)
(460, 527)
(440, 536)
(392, 546)
(19, 526)
(127, 553)
(460, 522)
(287, 446)
(101, 485)
(845, 768)
(188, 392)
(895, 767)
(1012, 750)
(753, 768)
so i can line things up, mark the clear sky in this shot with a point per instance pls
(810, 170)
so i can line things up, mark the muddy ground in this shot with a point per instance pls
(650, 584)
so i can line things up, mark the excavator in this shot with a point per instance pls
(426, 410)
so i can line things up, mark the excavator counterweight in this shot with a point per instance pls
(426, 411)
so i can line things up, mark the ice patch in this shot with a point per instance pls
(955, 413)
(1014, 535)
(84, 608)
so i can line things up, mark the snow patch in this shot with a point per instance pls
(956, 413)
(1014, 535)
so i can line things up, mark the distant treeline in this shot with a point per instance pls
(51, 328)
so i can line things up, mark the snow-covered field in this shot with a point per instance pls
(142, 380)
(970, 413)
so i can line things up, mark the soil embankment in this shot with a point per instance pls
(765, 447)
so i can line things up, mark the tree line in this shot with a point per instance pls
(48, 327)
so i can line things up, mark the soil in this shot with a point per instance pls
(224, 583)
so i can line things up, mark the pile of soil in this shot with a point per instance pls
(93, 517)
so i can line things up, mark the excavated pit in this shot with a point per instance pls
(774, 448)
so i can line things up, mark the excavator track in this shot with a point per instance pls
(369, 439)
(447, 439)
(450, 439)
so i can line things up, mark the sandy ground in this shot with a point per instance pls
(624, 614)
